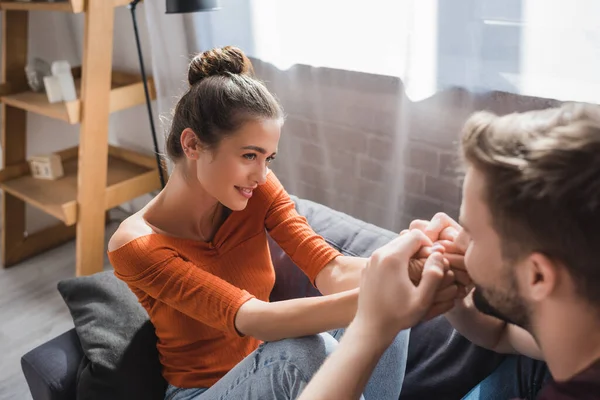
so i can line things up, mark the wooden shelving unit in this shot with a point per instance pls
(97, 176)
(74, 6)
(70, 6)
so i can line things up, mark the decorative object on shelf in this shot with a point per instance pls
(60, 86)
(36, 70)
(62, 71)
(172, 7)
(53, 91)
(46, 166)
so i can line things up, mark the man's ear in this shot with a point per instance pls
(542, 276)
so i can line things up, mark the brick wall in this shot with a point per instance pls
(356, 143)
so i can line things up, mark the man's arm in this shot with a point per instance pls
(490, 332)
(346, 372)
(384, 285)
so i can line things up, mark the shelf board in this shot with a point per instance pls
(129, 175)
(70, 6)
(127, 90)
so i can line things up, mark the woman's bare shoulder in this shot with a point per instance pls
(130, 229)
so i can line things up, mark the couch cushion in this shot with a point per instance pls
(351, 236)
(117, 338)
(50, 369)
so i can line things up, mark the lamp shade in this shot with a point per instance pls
(188, 6)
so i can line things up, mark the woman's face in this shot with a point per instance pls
(240, 163)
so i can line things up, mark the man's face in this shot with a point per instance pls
(496, 281)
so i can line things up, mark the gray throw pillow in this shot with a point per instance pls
(117, 338)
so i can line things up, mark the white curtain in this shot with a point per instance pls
(375, 92)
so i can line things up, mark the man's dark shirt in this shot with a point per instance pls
(583, 386)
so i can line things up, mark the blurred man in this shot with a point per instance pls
(529, 237)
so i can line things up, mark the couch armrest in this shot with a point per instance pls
(51, 368)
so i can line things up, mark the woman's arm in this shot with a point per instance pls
(292, 232)
(162, 274)
(340, 274)
(328, 270)
(297, 317)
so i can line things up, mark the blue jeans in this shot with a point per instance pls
(518, 377)
(280, 370)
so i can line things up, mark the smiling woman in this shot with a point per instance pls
(197, 255)
(240, 164)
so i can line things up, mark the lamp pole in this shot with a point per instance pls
(132, 7)
(173, 7)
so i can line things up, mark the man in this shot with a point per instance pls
(530, 236)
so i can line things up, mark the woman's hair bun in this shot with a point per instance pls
(220, 61)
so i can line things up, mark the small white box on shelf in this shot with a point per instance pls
(62, 71)
(46, 166)
(60, 86)
(52, 86)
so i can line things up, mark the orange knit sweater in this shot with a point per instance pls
(192, 290)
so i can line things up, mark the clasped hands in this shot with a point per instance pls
(417, 276)
(444, 234)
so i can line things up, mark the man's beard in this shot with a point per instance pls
(508, 307)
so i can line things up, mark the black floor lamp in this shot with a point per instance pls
(173, 7)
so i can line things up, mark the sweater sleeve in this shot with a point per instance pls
(165, 276)
(309, 251)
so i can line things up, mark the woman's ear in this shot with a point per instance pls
(190, 143)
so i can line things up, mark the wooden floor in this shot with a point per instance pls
(32, 311)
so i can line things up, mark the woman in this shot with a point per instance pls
(197, 256)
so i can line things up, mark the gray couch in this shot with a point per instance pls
(111, 352)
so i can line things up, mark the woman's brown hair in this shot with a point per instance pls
(223, 95)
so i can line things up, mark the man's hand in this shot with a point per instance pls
(447, 291)
(389, 301)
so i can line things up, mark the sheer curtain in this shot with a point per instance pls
(375, 92)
